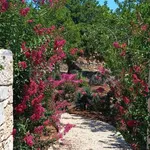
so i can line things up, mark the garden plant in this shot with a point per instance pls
(44, 33)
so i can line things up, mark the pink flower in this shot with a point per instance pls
(22, 64)
(94, 94)
(83, 93)
(27, 54)
(68, 76)
(132, 123)
(137, 69)
(38, 130)
(14, 132)
(57, 83)
(77, 81)
(46, 122)
(73, 51)
(42, 86)
(33, 87)
(3, 5)
(60, 136)
(122, 122)
(120, 108)
(38, 112)
(61, 105)
(23, 46)
(116, 45)
(24, 11)
(146, 89)
(59, 43)
(122, 125)
(126, 100)
(26, 98)
(38, 99)
(124, 45)
(60, 53)
(102, 70)
(30, 21)
(28, 139)
(145, 86)
(100, 89)
(20, 108)
(134, 146)
(68, 127)
(81, 51)
(144, 27)
(135, 78)
(123, 53)
(23, 1)
(36, 56)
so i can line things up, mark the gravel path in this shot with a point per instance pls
(90, 135)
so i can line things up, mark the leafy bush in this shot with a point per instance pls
(38, 50)
(129, 62)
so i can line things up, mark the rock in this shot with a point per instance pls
(6, 62)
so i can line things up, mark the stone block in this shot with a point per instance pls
(2, 132)
(6, 61)
(5, 92)
(2, 117)
(7, 127)
(8, 144)
(1, 146)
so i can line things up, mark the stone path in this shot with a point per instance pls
(90, 135)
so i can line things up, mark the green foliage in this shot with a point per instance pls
(94, 28)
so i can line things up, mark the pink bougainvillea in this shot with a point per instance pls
(24, 11)
(28, 139)
(3, 5)
(22, 64)
(116, 44)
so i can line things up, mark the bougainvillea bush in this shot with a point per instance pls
(41, 93)
(129, 61)
(38, 49)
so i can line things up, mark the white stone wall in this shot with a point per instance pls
(6, 100)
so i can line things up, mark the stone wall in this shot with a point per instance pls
(6, 100)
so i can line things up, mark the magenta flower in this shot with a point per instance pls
(116, 45)
(3, 5)
(38, 112)
(23, 1)
(137, 69)
(144, 27)
(22, 64)
(59, 43)
(68, 76)
(102, 70)
(73, 51)
(100, 89)
(123, 53)
(30, 21)
(33, 87)
(14, 132)
(135, 78)
(132, 123)
(38, 130)
(68, 128)
(126, 100)
(20, 108)
(24, 11)
(28, 139)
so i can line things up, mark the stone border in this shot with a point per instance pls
(6, 100)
